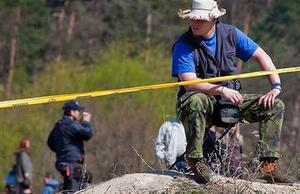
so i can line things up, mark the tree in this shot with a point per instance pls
(22, 37)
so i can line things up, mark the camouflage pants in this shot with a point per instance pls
(196, 111)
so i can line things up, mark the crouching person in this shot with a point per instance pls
(209, 49)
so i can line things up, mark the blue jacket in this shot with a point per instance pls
(51, 187)
(66, 139)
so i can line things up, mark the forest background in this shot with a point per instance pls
(63, 46)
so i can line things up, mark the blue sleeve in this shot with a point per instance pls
(182, 59)
(84, 130)
(54, 183)
(245, 46)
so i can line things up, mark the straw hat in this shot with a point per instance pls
(202, 10)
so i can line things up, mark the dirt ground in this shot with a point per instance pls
(172, 182)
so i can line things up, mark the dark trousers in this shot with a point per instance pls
(73, 174)
(11, 189)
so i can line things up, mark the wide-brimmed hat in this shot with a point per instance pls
(202, 10)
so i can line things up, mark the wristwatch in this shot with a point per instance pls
(276, 85)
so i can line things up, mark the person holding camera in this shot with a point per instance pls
(67, 141)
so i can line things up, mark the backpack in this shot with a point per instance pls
(54, 137)
(11, 179)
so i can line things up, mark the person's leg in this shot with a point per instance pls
(194, 113)
(76, 176)
(67, 185)
(65, 171)
(19, 188)
(270, 121)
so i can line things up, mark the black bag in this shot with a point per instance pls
(226, 113)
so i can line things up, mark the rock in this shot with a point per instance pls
(172, 182)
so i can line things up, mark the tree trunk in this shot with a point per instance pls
(246, 25)
(148, 39)
(13, 54)
(71, 26)
(61, 18)
(2, 60)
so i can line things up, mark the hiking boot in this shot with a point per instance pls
(270, 173)
(201, 170)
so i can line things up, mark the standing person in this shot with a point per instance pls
(50, 184)
(170, 145)
(209, 49)
(23, 168)
(67, 141)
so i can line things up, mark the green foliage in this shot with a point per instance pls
(113, 69)
(278, 33)
(33, 30)
(287, 15)
(110, 48)
(30, 30)
(278, 29)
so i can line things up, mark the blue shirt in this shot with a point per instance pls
(183, 56)
(51, 187)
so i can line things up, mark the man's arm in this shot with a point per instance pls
(85, 130)
(211, 89)
(266, 63)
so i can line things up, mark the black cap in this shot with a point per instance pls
(72, 105)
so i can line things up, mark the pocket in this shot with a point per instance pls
(230, 53)
(64, 169)
(230, 61)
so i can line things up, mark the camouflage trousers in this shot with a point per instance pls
(196, 111)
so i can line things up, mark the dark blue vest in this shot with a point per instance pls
(207, 65)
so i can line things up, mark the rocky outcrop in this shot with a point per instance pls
(171, 182)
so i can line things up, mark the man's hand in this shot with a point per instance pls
(87, 116)
(268, 99)
(234, 96)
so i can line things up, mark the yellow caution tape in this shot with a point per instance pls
(85, 95)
